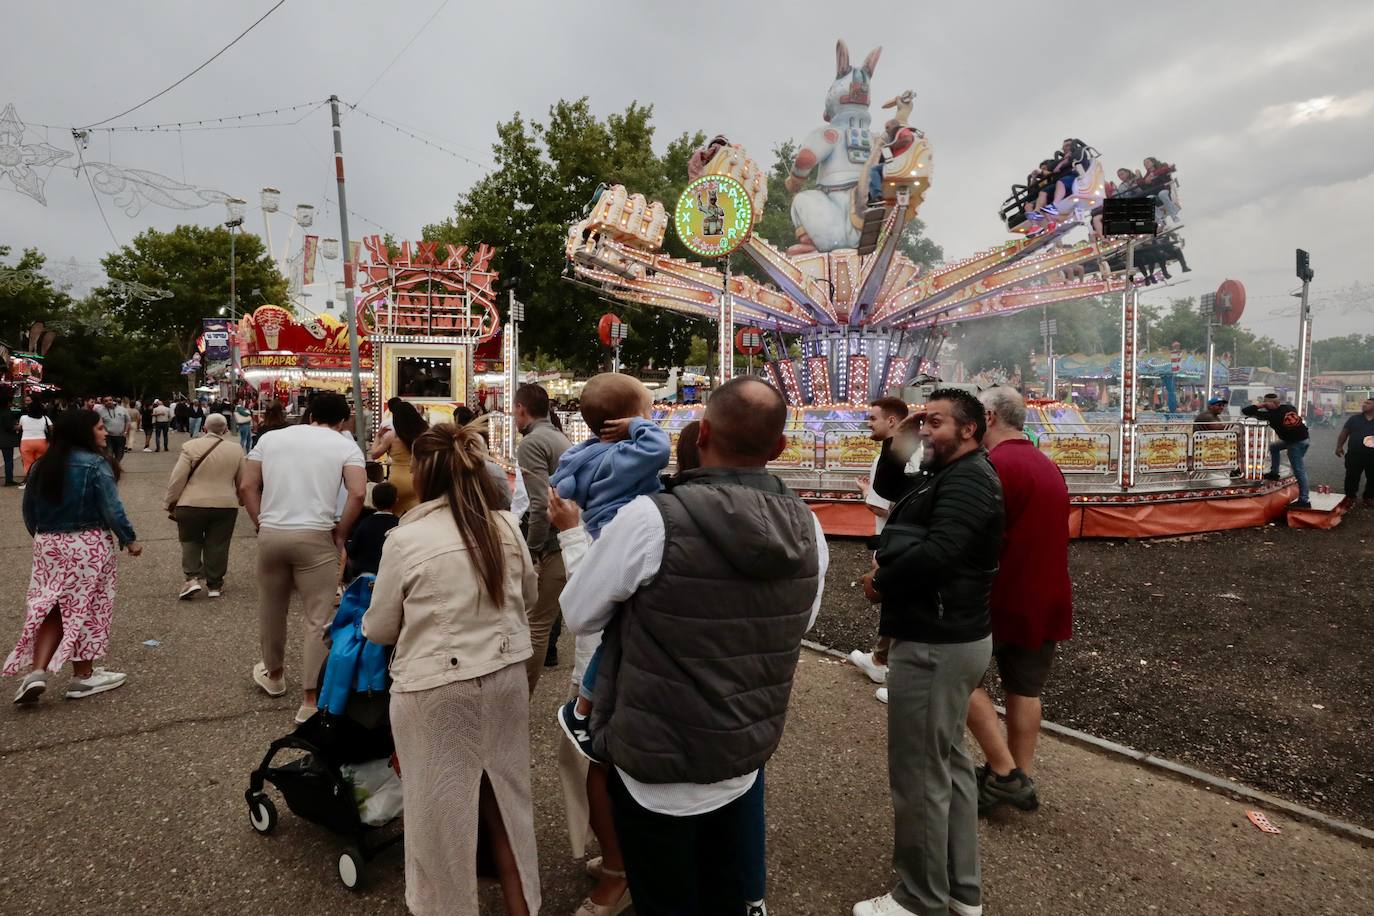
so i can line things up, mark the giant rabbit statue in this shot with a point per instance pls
(837, 153)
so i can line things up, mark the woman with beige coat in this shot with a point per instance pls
(203, 499)
(451, 595)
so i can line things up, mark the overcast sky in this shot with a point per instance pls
(1266, 107)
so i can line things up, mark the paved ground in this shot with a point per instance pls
(132, 802)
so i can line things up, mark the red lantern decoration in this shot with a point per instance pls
(611, 331)
(749, 341)
(1230, 301)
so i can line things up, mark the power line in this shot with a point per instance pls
(417, 34)
(81, 160)
(207, 63)
(414, 136)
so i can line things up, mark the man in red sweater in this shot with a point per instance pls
(1031, 604)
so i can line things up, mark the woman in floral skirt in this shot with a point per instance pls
(73, 512)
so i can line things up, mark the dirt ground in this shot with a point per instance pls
(1243, 653)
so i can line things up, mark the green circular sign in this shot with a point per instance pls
(714, 215)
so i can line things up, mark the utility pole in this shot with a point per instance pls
(350, 314)
(235, 207)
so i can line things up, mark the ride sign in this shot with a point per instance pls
(714, 215)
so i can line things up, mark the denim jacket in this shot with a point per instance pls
(89, 500)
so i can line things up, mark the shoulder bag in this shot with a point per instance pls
(195, 466)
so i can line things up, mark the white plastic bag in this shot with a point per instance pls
(376, 789)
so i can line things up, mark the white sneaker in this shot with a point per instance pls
(881, 695)
(190, 589)
(214, 592)
(881, 906)
(99, 682)
(147, 450)
(864, 662)
(964, 909)
(304, 713)
(31, 687)
(273, 687)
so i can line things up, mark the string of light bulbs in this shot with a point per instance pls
(414, 136)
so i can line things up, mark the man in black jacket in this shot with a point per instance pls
(933, 575)
(1287, 424)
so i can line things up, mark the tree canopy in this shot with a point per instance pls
(192, 263)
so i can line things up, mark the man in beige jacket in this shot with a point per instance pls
(203, 498)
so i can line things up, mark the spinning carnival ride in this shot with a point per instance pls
(864, 314)
(868, 320)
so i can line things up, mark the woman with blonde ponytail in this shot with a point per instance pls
(451, 595)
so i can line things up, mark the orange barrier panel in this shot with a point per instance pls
(1163, 519)
(1316, 518)
(1138, 520)
(850, 519)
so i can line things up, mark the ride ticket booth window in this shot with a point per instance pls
(424, 377)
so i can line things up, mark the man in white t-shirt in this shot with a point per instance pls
(884, 416)
(290, 488)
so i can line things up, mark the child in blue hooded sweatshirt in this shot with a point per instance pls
(622, 460)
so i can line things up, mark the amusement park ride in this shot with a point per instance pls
(866, 320)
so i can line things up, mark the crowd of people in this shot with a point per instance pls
(688, 595)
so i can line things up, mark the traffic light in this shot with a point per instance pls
(1305, 266)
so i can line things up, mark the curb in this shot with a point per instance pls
(1230, 787)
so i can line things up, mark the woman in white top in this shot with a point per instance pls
(33, 427)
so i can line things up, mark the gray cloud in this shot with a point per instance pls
(999, 85)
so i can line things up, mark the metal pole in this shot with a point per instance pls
(267, 229)
(1304, 350)
(233, 314)
(1211, 360)
(1054, 370)
(1125, 461)
(724, 355)
(359, 428)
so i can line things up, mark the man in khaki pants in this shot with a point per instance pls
(541, 445)
(291, 489)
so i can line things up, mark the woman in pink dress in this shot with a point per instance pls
(73, 512)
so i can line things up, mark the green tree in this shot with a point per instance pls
(1352, 352)
(26, 296)
(546, 173)
(192, 263)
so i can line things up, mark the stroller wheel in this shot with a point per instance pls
(351, 868)
(262, 814)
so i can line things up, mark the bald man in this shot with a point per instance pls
(702, 635)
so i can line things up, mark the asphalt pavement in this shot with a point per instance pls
(132, 801)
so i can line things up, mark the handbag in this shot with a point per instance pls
(195, 466)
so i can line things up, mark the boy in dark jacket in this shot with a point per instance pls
(365, 546)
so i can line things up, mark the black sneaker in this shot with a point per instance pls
(1272, 477)
(577, 728)
(756, 909)
(1016, 788)
(1300, 504)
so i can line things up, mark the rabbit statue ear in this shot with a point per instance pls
(841, 58)
(871, 61)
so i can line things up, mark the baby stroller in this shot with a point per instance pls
(348, 736)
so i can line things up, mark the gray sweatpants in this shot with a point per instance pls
(934, 792)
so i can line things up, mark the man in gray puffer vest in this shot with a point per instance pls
(704, 592)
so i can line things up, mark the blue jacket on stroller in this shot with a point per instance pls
(354, 665)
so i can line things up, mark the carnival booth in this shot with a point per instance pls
(432, 322)
(288, 359)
